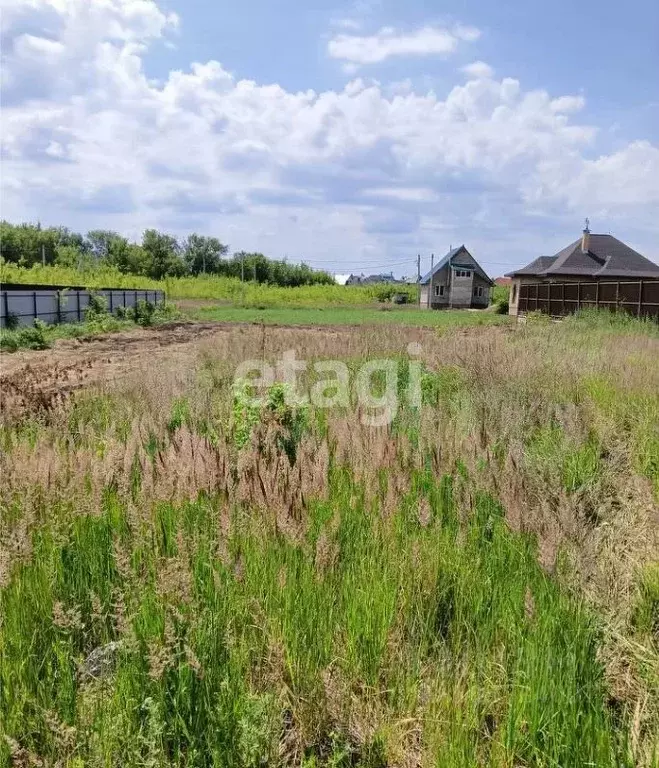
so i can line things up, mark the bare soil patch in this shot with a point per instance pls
(39, 380)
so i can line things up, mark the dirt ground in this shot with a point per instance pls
(33, 381)
(39, 380)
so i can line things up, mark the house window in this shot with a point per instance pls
(439, 290)
(463, 273)
(478, 291)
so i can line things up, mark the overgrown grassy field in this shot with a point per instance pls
(191, 579)
(247, 294)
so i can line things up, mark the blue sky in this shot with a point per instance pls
(352, 136)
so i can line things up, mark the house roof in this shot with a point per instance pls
(606, 257)
(453, 256)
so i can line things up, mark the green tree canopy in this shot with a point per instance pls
(204, 254)
(163, 254)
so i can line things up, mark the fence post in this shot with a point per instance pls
(78, 301)
(111, 307)
(6, 300)
(563, 299)
(578, 295)
(617, 295)
(124, 299)
(640, 297)
(597, 294)
(59, 306)
(34, 305)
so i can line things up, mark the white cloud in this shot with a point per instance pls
(478, 70)
(414, 194)
(567, 104)
(92, 142)
(388, 42)
(622, 182)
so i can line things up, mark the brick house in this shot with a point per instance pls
(456, 281)
(593, 260)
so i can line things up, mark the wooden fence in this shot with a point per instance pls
(637, 297)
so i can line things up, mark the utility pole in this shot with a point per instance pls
(43, 255)
(254, 270)
(418, 278)
(242, 266)
(430, 288)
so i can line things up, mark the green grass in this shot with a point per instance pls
(225, 289)
(42, 336)
(348, 316)
(285, 586)
(499, 647)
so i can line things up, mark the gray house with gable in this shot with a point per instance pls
(457, 281)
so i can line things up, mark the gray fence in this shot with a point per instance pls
(53, 305)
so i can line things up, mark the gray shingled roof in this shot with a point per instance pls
(606, 257)
(453, 257)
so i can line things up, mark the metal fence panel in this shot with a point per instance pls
(65, 306)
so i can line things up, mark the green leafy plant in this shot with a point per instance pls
(97, 307)
(279, 406)
(142, 313)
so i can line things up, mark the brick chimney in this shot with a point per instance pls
(585, 238)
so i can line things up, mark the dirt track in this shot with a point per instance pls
(40, 380)
(32, 380)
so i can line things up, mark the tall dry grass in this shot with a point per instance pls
(474, 584)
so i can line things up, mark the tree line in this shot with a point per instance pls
(159, 255)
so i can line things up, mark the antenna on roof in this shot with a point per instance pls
(585, 238)
(587, 225)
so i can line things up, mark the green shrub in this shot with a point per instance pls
(97, 307)
(180, 414)
(279, 406)
(142, 313)
(11, 321)
(35, 337)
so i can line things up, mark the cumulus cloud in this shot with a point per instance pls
(568, 104)
(361, 170)
(388, 42)
(478, 70)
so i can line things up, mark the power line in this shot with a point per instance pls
(331, 263)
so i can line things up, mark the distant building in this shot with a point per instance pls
(593, 259)
(456, 281)
(504, 282)
(371, 279)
